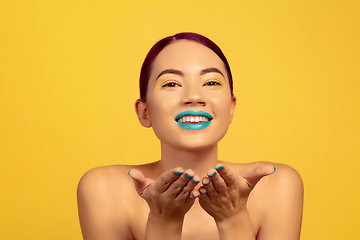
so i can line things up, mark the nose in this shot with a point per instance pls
(193, 96)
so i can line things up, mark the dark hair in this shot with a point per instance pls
(160, 45)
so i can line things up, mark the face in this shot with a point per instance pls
(189, 104)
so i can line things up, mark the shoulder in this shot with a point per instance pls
(102, 188)
(285, 179)
(106, 202)
(102, 178)
(283, 174)
(278, 199)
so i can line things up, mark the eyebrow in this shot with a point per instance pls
(172, 71)
(210, 70)
(180, 73)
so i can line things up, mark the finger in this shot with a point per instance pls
(177, 186)
(187, 189)
(195, 193)
(166, 179)
(141, 183)
(255, 175)
(216, 181)
(203, 196)
(229, 177)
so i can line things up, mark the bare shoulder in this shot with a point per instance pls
(283, 175)
(104, 179)
(99, 182)
(284, 178)
(105, 195)
(277, 203)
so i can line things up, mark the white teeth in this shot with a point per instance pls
(193, 119)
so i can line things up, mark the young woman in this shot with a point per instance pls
(187, 98)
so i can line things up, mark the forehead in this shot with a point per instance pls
(186, 55)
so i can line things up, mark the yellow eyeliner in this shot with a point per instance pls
(161, 81)
(220, 79)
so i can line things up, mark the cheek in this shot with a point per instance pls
(161, 108)
(222, 105)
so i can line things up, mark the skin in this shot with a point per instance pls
(189, 193)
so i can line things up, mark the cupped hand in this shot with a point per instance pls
(169, 196)
(225, 193)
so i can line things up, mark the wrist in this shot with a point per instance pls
(236, 226)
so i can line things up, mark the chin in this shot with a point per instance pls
(193, 144)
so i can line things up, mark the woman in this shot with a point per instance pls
(186, 97)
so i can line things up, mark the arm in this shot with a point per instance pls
(99, 205)
(282, 203)
(169, 198)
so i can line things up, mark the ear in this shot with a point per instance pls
(142, 113)
(232, 110)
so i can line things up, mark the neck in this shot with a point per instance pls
(198, 160)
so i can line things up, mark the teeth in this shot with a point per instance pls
(193, 119)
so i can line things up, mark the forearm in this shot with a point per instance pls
(160, 228)
(238, 226)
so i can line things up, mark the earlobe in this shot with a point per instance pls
(232, 110)
(142, 113)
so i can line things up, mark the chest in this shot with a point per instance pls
(197, 224)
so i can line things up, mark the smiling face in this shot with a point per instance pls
(189, 102)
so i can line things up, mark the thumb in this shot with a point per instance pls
(141, 183)
(255, 175)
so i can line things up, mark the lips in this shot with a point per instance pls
(193, 120)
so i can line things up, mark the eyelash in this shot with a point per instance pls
(212, 83)
(171, 84)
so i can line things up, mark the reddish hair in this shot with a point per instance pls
(160, 45)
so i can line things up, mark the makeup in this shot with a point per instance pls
(178, 173)
(168, 77)
(194, 181)
(193, 120)
(188, 176)
(220, 168)
(219, 78)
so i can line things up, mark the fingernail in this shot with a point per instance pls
(207, 183)
(188, 175)
(194, 195)
(274, 169)
(194, 181)
(129, 173)
(212, 175)
(178, 173)
(220, 168)
(202, 190)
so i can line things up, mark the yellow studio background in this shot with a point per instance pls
(69, 79)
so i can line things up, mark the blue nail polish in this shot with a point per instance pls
(220, 168)
(274, 169)
(202, 191)
(212, 175)
(188, 175)
(194, 195)
(207, 182)
(129, 173)
(178, 173)
(194, 181)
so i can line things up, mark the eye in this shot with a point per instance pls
(171, 84)
(212, 83)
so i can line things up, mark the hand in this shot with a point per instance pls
(225, 193)
(169, 196)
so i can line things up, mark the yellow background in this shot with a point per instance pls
(69, 78)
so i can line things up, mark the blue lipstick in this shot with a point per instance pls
(196, 125)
